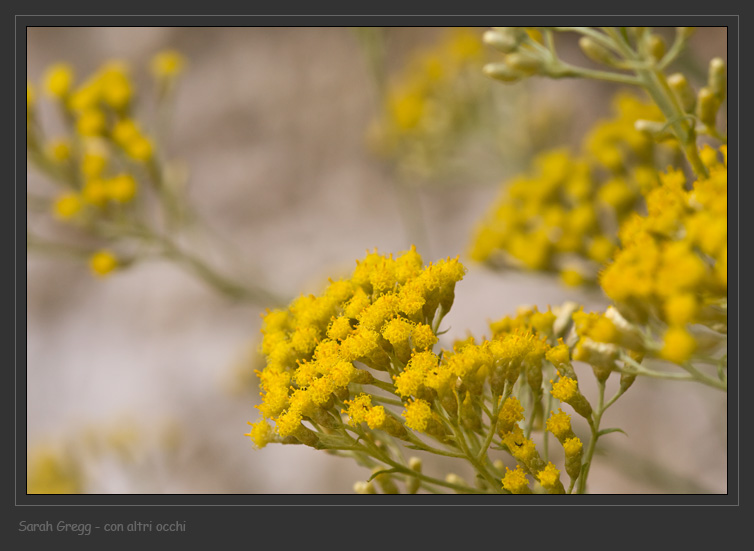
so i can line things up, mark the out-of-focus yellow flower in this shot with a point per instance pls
(67, 206)
(102, 263)
(58, 80)
(167, 64)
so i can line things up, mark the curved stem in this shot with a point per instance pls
(594, 425)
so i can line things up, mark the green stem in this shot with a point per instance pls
(374, 451)
(594, 425)
(694, 374)
(493, 422)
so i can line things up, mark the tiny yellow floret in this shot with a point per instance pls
(559, 424)
(261, 433)
(573, 446)
(67, 206)
(549, 477)
(121, 188)
(168, 63)
(678, 346)
(515, 481)
(102, 263)
(418, 414)
(565, 389)
(58, 80)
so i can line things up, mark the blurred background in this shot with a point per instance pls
(144, 380)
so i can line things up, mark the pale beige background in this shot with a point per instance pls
(270, 123)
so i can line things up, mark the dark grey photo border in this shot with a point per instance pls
(206, 514)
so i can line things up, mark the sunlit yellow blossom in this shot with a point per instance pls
(102, 263)
(681, 308)
(261, 433)
(95, 192)
(59, 150)
(121, 188)
(678, 345)
(549, 478)
(167, 64)
(564, 389)
(58, 80)
(423, 337)
(559, 355)
(67, 206)
(288, 422)
(559, 424)
(397, 331)
(52, 472)
(90, 122)
(340, 328)
(418, 413)
(139, 149)
(572, 446)
(515, 481)
(115, 86)
(358, 408)
(520, 447)
(511, 413)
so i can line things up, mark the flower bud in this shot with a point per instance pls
(656, 46)
(683, 91)
(685, 32)
(504, 39)
(307, 436)
(471, 417)
(707, 106)
(502, 42)
(362, 487)
(656, 129)
(453, 478)
(595, 51)
(524, 62)
(413, 484)
(385, 482)
(573, 454)
(718, 78)
(502, 72)
(395, 428)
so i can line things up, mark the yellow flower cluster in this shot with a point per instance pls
(346, 360)
(673, 261)
(382, 313)
(563, 216)
(431, 103)
(524, 450)
(52, 472)
(106, 152)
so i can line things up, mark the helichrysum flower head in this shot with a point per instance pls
(67, 206)
(121, 188)
(567, 390)
(261, 433)
(167, 64)
(515, 481)
(559, 424)
(52, 472)
(549, 478)
(678, 345)
(510, 414)
(102, 263)
(418, 414)
(58, 80)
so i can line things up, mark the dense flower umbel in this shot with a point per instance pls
(359, 360)
(672, 263)
(432, 103)
(106, 157)
(563, 215)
